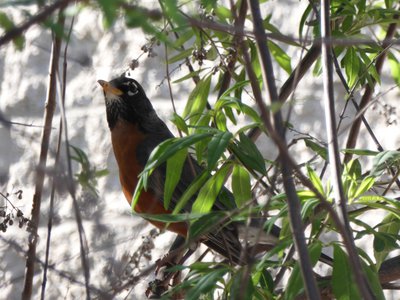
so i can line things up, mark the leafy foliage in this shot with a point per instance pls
(216, 123)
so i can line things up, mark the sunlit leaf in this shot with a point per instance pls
(206, 283)
(241, 185)
(174, 170)
(217, 146)
(280, 56)
(316, 181)
(242, 285)
(390, 226)
(204, 224)
(364, 186)
(384, 160)
(180, 123)
(197, 100)
(248, 153)
(343, 285)
(180, 56)
(394, 68)
(318, 149)
(295, 284)
(361, 152)
(351, 63)
(209, 192)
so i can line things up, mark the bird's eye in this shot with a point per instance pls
(132, 88)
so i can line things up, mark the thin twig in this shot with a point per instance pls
(196, 78)
(291, 83)
(369, 88)
(333, 41)
(293, 201)
(72, 191)
(62, 274)
(334, 156)
(40, 172)
(239, 22)
(56, 167)
(363, 119)
(38, 18)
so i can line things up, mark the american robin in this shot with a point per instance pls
(135, 131)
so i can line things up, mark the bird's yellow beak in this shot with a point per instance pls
(109, 89)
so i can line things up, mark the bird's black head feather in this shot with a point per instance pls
(130, 105)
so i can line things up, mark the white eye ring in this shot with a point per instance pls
(130, 93)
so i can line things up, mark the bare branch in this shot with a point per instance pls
(40, 172)
(296, 223)
(334, 156)
(366, 98)
(40, 17)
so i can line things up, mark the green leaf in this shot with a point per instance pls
(180, 56)
(171, 9)
(343, 285)
(295, 283)
(222, 12)
(217, 147)
(207, 283)
(242, 285)
(101, 173)
(316, 181)
(7, 24)
(180, 123)
(183, 38)
(317, 67)
(159, 155)
(225, 95)
(169, 147)
(241, 185)
(209, 192)
(220, 121)
(191, 191)
(304, 19)
(197, 100)
(394, 68)
(174, 170)
(204, 224)
(384, 160)
(373, 280)
(109, 10)
(390, 226)
(247, 152)
(320, 150)
(351, 64)
(365, 186)
(361, 152)
(188, 76)
(170, 218)
(280, 56)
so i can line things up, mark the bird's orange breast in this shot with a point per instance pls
(126, 137)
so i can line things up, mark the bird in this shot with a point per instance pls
(136, 130)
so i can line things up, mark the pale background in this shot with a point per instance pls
(112, 233)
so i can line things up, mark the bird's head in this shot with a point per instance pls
(125, 99)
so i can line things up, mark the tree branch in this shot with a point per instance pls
(334, 156)
(40, 172)
(369, 89)
(40, 17)
(293, 201)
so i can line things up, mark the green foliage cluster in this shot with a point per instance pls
(202, 34)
